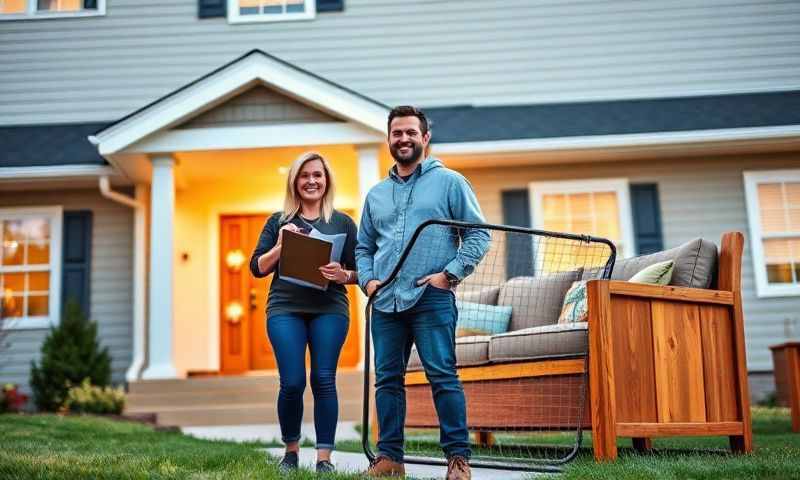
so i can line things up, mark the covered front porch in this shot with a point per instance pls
(209, 165)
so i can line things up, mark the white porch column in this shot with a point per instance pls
(368, 169)
(162, 217)
(368, 175)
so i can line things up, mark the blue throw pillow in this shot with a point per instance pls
(481, 319)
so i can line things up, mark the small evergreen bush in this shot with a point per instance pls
(70, 354)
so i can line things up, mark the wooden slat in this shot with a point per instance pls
(781, 346)
(678, 362)
(793, 382)
(509, 370)
(729, 275)
(602, 378)
(742, 443)
(780, 372)
(719, 362)
(633, 360)
(517, 403)
(682, 294)
(676, 429)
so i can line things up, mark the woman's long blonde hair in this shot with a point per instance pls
(291, 204)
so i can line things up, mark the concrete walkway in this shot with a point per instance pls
(345, 462)
(266, 432)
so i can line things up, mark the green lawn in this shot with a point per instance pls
(47, 446)
(52, 447)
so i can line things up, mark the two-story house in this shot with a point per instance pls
(143, 143)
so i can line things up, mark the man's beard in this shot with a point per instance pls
(416, 154)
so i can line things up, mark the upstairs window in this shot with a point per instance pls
(40, 9)
(243, 11)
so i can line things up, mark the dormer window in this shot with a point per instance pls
(244, 11)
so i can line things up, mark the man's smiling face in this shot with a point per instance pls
(406, 140)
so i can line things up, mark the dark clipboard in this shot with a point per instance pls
(301, 257)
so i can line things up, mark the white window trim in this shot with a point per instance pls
(235, 17)
(751, 181)
(33, 14)
(55, 214)
(618, 185)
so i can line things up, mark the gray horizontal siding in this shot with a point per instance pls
(699, 198)
(111, 282)
(521, 51)
(258, 106)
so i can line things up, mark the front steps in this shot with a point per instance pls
(231, 400)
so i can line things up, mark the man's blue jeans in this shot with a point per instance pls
(431, 325)
(324, 335)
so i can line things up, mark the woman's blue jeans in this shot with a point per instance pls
(431, 325)
(324, 335)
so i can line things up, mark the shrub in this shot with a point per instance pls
(11, 399)
(70, 354)
(88, 398)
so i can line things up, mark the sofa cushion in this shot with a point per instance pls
(486, 296)
(536, 301)
(481, 319)
(695, 264)
(656, 274)
(469, 351)
(547, 341)
(575, 307)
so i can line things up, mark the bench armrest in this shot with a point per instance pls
(667, 292)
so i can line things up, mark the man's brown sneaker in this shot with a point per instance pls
(458, 468)
(384, 466)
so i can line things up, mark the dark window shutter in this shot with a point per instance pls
(212, 8)
(77, 256)
(519, 248)
(90, 4)
(330, 6)
(646, 218)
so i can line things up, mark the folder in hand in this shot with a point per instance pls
(301, 257)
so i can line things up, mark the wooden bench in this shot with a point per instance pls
(663, 361)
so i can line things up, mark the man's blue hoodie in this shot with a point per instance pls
(393, 210)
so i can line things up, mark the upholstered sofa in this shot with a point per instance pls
(662, 360)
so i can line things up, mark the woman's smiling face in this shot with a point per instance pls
(311, 181)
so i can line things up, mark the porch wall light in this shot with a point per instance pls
(234, 311)
(234, 259)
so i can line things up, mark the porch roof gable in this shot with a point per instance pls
(253, 68)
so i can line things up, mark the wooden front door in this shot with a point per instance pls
(244, 344)
(243, 338)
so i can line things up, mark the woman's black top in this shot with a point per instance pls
(286, 297)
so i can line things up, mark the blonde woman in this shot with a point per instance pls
(300, 317)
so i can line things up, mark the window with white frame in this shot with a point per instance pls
(29, 9)
(773, 211)
(599, 207)
(30, 267)
(241, 11)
